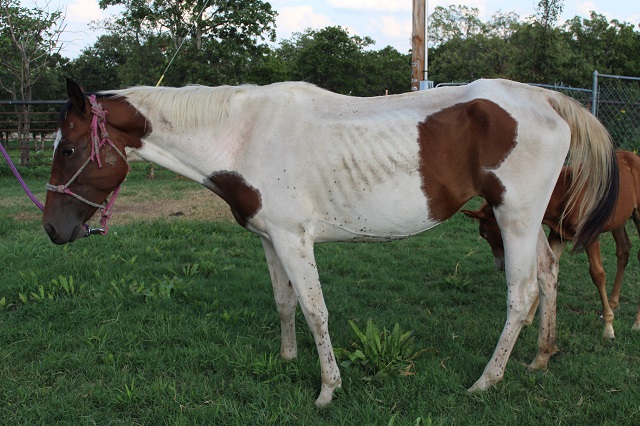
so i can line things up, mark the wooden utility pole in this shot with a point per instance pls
(417, 44)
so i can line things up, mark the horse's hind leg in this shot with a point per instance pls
(547, 269)
(522, 283)
(557, 245)
(286, 302)
(623, 249)
(295, 252)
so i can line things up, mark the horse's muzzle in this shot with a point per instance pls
(64, 236)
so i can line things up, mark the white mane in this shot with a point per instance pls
(182, 108)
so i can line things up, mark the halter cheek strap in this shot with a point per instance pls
(99, 138)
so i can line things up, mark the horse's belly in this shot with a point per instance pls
(390, 210)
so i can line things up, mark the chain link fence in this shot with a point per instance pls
(616, 102)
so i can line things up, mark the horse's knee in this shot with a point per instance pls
(598, 276)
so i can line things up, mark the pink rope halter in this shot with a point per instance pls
(99, 138)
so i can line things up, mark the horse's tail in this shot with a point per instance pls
(594, 188)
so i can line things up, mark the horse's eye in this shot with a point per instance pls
(68, 152)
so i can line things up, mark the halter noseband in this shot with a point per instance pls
(98, 124)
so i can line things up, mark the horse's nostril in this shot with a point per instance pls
(50, 230)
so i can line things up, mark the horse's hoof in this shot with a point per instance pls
(482, 384)
(326, 394)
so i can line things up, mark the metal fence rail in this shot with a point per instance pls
(27, 130)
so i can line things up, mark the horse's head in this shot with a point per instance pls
(490, 231)
(89, 160)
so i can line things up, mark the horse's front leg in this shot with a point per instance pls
(286, 302)
(599, 278)
(296, 256)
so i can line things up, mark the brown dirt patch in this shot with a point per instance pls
(194, 204)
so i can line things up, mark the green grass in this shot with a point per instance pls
(173, 322)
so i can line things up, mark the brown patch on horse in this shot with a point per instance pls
(245, 200)
(458, 147)
(129, 123)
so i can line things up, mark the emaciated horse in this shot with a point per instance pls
(563, 229)
(299, 165)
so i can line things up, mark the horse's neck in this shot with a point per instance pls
(188, 129)
(194, 154)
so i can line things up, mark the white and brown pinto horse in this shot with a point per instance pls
(299, 165)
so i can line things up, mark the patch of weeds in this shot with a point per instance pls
(65, 285)
(380, 352)
(269, 368)
(191, 270)
(419, 421)
(127, 395)
(129, 262)
(460, 282)
(98, 343)
(60, 286)
(266, 367)
(164, 288)
(236, 315)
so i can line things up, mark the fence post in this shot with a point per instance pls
(594, 94)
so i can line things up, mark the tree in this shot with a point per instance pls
(120, 61)
(465, 48)
(329, 58)
(545, 41)
(218, 38)
(31, 38)
(609, 47)
(454, 23)
(30, 45)
(335, 60)
(386, 70)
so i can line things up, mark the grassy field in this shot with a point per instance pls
(170, 320)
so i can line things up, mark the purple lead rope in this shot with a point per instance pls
(20, 180)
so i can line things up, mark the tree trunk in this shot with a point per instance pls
(24, 125)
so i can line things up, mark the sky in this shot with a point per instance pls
(388, 22)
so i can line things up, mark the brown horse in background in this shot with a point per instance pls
(562, 230)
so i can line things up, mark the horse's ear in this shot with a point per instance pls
(472, 214)
(76, 95)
